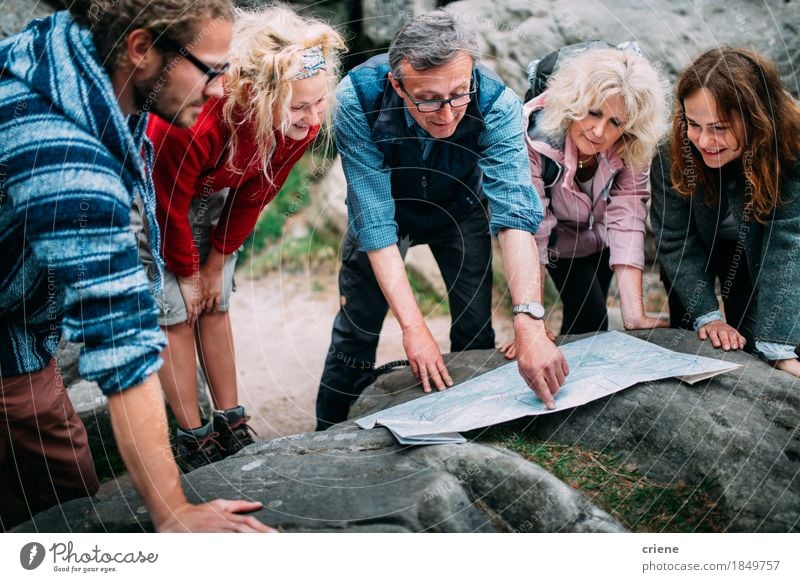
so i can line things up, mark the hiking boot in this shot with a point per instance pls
(197, 448)
(234, 432)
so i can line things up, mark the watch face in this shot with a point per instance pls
(535, 310)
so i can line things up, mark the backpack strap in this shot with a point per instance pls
(551, 171)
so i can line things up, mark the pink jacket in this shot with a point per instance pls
(614, 216)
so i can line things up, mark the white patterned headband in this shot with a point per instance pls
(312, 62)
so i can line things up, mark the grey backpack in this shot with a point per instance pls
(540, 70)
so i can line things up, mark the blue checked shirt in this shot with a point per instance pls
(513, 202)
(70, 167)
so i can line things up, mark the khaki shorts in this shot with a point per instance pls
(204, 214)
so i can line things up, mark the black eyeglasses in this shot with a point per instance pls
(431, 105)
(170, 46)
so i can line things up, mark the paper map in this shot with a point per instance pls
(599, 366)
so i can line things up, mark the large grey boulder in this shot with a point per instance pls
(17, 13)
(381, 19)
(399, 385)
(670, 33)
(361, 481)
(739, 432)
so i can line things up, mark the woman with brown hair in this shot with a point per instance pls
(730, 209)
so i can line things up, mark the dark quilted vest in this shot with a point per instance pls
(429, 194)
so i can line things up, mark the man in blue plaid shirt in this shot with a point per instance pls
(432, 148)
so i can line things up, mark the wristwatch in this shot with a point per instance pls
(535, 310)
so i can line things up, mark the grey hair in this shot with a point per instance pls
(431, 40)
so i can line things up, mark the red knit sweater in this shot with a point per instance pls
(192, 162)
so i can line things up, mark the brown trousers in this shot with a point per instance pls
(44, 450)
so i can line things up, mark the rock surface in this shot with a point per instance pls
(739, 432)
(92, 407)
(361, 481)
(514, 32)
(17, 13)
(381, 19)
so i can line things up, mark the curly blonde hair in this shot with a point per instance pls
(265, 57)
(583, 83)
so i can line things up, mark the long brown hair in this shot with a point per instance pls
(743, 83)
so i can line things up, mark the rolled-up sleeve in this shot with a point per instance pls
(776, 351)
(506, 171)
(370, 205)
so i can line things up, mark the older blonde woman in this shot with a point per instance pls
(591, 136)
(212, 181)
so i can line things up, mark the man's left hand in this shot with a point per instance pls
(541, 363)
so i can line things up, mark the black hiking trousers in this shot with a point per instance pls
(463, 253)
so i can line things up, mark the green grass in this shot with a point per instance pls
(639, 503)
(290, 200)
(314, 252)
(430, 301)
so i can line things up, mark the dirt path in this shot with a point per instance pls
(282, 326)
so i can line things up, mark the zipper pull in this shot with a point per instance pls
(591, 220)
(425, 187)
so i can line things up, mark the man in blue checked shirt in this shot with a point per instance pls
(433, 152)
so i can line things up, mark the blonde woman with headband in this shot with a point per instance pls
(591, 136)
(212, 181)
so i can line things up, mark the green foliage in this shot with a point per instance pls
(292, 198)
(314, 252)
(639, 503)
(430, 301)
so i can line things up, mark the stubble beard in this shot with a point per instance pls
(154, 96)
